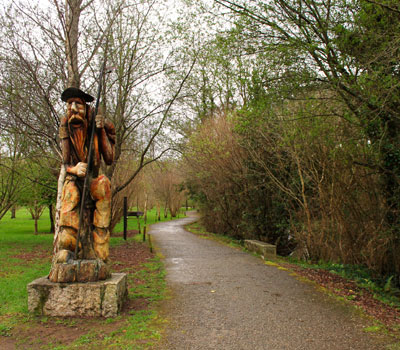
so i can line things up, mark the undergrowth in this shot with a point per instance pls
(382, 289)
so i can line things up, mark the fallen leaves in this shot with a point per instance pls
(361, 297)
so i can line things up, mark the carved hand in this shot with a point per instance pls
(99, 121)
(79, 169)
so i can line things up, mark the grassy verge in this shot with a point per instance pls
(382, 289)
(134, 223)
(25, 256)
(198, 229)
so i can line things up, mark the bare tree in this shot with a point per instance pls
(11, 164)
(47, 49)
(166, 179)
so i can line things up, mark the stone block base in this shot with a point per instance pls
(268, 251)
(101, 298)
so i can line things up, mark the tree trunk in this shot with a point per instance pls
(165, 210)
(13, 211)
(57, 229)
(145, 209)
(138, 224)
(137, 217)
(73, 12)
(86, 237)
(172, 211)
(52, 228)
(145, 217)
(36, 224)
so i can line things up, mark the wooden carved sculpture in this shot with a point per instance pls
(75, 134)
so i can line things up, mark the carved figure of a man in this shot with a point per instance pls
(75, 137)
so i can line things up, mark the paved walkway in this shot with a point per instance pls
(224, 298)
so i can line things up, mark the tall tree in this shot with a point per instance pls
(350, 47)
(63, 44)
(11, 166)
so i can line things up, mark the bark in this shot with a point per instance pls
(60, 184)
(36, 212)
(86, 237)
(73, 11)
(145, 217)
(138, 223)
(166, 209)
(51, 215)
(5, 210)
(72, 35)
(137, 217)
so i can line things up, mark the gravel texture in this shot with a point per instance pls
(223, 298)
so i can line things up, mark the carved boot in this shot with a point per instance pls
(101, 236)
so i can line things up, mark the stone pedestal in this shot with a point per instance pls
(102, 298)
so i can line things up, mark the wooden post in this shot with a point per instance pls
(150, 244)
(138, 217)
(138, 224)
(125, 216)
(145, 218)
(13, 211)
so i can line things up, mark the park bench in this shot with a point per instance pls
(134, 213)
(268, 251)
(129, 213)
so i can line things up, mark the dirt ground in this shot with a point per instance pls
(34, 332)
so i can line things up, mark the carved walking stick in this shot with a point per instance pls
(90, 158)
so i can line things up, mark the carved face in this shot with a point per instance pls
(76, 111)
(77, 125)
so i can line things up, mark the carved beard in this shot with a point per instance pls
(78, 134)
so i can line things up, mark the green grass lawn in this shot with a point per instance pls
(19, 243)
(21, 258)
(133, 222)
(25, 256)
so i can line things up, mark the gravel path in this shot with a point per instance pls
(223, 298)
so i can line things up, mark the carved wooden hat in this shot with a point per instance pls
(75, 92)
